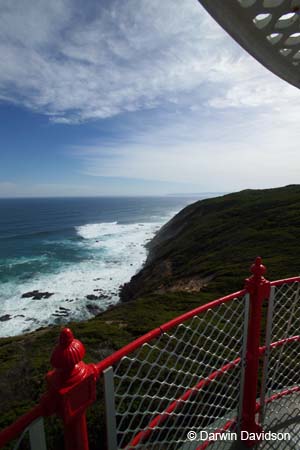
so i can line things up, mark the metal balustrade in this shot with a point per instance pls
(36, 434)
(282, 363)
(230, 366)
(186, 378)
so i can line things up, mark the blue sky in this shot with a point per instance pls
(136, 97)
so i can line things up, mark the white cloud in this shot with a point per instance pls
(223, 151)
(77, 62)
(222, 120)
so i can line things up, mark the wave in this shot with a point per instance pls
(111, 253)
(34, 234)
(117, 238)
(22, 260)
(96, 230)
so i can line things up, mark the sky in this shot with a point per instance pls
(136, 97)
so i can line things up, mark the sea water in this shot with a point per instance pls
(79, 250)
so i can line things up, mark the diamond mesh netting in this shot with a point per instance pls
(189, 378)
(282, 414)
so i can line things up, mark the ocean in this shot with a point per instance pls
(65, 259)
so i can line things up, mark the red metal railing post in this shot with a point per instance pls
(72, 385)
(259, 289)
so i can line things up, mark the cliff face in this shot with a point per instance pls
(203, 253)
(213, 240)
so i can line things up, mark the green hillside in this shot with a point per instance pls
(214, 240)
(204, 252)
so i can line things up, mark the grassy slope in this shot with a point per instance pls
(218, 237)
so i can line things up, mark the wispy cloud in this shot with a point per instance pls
(220, 150)
(78, 61)
(192, 106)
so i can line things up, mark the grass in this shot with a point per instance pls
(216, 237)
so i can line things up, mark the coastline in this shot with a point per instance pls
(25, 359)
(78, 292)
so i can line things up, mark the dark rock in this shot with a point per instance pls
(5, 317)
(93, 309)
(97, 297)
(37, 295)
(29, 294)
(92, 297)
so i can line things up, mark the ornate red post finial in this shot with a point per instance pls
(257, 278)
(73, 384)
(258, 269)
(66, 337)
(67, 358)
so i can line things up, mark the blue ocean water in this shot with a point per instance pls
(72, 248)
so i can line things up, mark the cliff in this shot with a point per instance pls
(210, 243)
(204, 252)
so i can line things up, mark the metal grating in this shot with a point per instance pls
(189, 378)
(282, 414)
(193, 374)
(268, 29)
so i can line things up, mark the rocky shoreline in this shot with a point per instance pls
(210, 256)
(62, 313)
(37, 295)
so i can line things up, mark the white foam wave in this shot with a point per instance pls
(22, 260)
(116, 253)
(97, 230)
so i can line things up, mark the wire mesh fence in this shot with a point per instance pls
(281, 411)
(206, 372)
(191, 378)
(187, 379)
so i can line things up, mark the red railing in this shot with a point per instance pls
(72, 383)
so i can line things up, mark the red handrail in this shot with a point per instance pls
(70, 372)
(160, 418)
(231, 422)
(12, 431)
(285, 281)
(124, 351)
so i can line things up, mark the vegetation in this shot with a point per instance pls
(202, 253)
(216, 239)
